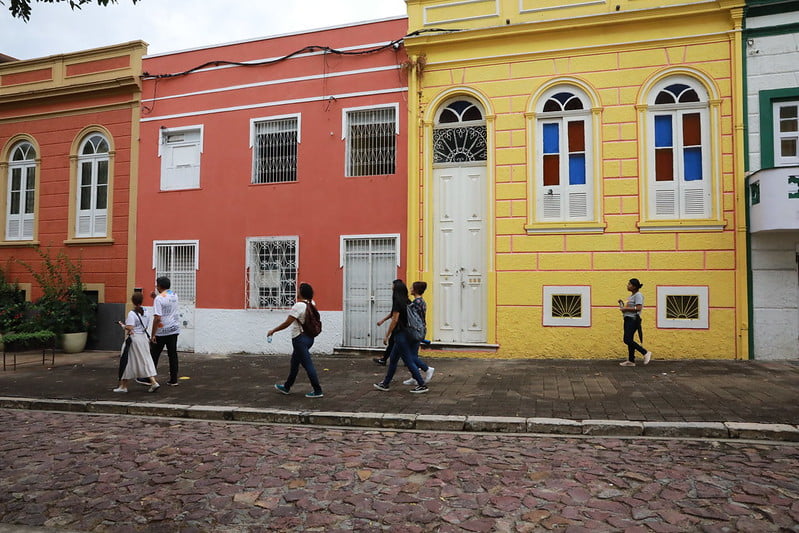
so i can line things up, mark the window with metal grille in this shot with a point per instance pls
(275, 150)
(682, 307)
(371, 141)
(271, 272)
(178, 262)
(567, 306)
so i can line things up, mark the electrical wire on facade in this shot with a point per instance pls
(395, 44)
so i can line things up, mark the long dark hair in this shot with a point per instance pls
(306, 291)
(399, 294)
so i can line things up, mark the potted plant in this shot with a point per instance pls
(63, 307)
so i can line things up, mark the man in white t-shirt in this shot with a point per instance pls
(166, 327)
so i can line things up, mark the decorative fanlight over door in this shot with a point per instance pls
(460, 134)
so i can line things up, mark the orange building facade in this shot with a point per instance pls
(270, 162)
(68, 163)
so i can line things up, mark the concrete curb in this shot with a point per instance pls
(486, 424)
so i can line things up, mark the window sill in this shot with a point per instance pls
(20, 244)
(682, 225)
(88, 241)
(564, 227)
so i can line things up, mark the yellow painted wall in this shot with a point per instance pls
(506, 52)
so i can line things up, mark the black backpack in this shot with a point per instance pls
(313, 322)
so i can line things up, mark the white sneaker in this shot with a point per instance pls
(627, 363)
(120, 389)
(429, 374)
(409, 381)
(647, 357)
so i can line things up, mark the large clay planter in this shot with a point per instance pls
(74, 342)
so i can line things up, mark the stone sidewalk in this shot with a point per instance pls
(697, 398)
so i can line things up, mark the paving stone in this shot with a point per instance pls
(158, 409)
(210, 412)
(560, 426)
(706, 430)
(72, 406)
(502, 424)
(743, 430)
(441, 422)
(398, 421)
(617, 428)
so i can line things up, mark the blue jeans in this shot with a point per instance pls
(418, 360)
(302, 356)
(402, 349)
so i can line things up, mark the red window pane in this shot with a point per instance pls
(577, 136)
(664, 165)
(691, 130)
(551, 170)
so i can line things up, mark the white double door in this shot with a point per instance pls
(459, 252)
(370, 266)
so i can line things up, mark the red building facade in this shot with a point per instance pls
(271, 162)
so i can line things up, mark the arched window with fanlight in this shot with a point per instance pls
(679, 150)
(460, 133)
(21, 194)
(564, 176)
(92, 193)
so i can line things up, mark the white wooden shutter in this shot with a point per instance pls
(551, 203)
(180, 160)
(578, 202)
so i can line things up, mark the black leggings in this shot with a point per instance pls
(630, 327)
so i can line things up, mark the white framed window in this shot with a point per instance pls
(180, 150)
(786, 133)
(371, 140)
(568, 305)
(92, 207)
(564, 144)
(21, 195)
(679, 150)
(682, 307)
(178, 260)
(274, 142)
(271, 275)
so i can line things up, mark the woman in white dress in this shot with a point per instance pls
(140, 362)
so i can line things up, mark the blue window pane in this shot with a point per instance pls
(551, 139)
(663, 131)
(577, 169)
(692, 158)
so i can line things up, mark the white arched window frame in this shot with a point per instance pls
(679, 150)
(21, 193)
(93, 184)
(563, 154)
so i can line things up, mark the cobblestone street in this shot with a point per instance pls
(82, 472)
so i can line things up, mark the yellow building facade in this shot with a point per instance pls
(560, 148)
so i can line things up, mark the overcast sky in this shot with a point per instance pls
(169, 25)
